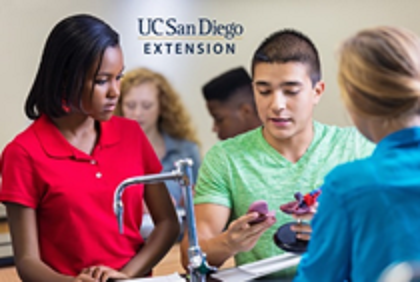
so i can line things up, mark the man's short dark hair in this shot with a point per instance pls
(224, 86)
(289, 45)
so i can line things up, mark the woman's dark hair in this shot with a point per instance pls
(73, 47)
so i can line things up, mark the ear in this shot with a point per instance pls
(318, 90)
(245, 110)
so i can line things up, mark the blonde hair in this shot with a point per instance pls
(379, 72)
(173, 118)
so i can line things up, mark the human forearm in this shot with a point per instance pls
(23, 230)
(238, 237)
(34, 270)
(157, 245)
(217, 250)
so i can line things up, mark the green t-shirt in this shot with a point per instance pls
(241, 170)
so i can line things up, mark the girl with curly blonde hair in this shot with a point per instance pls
(147, 97)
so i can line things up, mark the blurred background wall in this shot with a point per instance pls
(25, 24)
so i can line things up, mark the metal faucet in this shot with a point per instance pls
(198, 266)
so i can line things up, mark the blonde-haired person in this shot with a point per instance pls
(368, 214)
(148, 98)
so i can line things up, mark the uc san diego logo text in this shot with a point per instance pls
(165, 36)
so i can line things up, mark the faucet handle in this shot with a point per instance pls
(183, 162)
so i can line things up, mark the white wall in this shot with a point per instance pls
(24, 25)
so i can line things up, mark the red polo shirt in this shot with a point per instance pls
(72, 192)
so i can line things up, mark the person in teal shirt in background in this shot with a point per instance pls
(150, 99)
(291, 152)
(368, 215)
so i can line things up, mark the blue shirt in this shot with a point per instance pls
(179, 149)
(368, 215)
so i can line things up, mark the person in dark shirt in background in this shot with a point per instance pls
(230, 101)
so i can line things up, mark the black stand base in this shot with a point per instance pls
(286, 239)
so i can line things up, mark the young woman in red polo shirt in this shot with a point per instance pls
(60, 174)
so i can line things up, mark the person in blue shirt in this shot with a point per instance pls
(149, 98)
(368, 214)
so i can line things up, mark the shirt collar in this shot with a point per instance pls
(400, 138)
(56, 145)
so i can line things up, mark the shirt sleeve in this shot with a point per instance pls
(18, 177)
(329, 250)
(213, 185)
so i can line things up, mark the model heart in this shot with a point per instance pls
(261, 207)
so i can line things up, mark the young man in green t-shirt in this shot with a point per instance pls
(291, 152)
